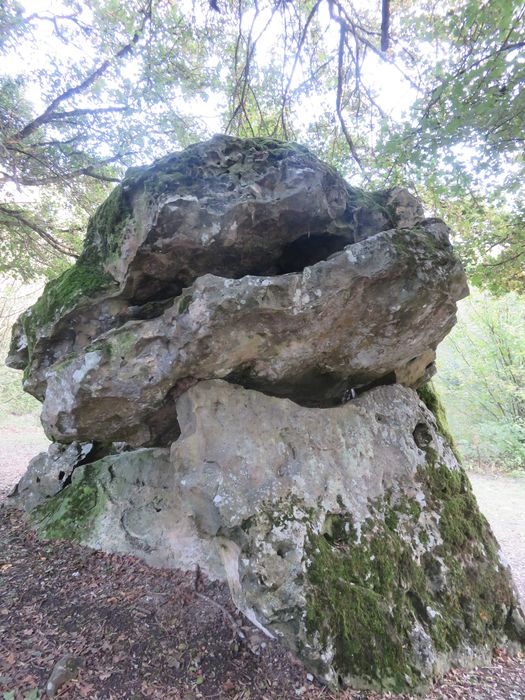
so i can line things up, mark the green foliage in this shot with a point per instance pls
(490, 235)
(14, 297)
(14, 400)
(481, 379)
(109, 81)
(121, 83)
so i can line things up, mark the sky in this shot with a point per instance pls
(393, 93)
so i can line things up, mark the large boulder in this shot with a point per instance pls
(250, 261)
(372, 313)
(229, 374)
(351, 533)
(229, 207)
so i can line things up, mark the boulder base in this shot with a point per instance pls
(351, 533)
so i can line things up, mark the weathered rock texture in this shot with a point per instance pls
(229, 372)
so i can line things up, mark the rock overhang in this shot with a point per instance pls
(369, 314)
(237, 223)
(372, 311)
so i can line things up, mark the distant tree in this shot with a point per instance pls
(481, 379)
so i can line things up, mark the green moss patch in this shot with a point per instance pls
(367, 594)
(184, 303)
(428, 394)
(106, 227)
(72, 513)
(60, 296)
(360, 597)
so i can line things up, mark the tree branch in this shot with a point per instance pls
(385, 25)
(338, 107)
(50, 113)
(45, 235)
(297, 55)
(58, 116)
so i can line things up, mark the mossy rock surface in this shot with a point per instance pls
(394, 608)
(428, 569)
(351, 533)
(73, 512)
(428, 394)
(140, 244)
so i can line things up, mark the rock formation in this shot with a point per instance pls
(229, 376)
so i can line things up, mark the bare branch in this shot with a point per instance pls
(309, 19)
(57, 176)
(385, 24)
(50, 113)
(504, 261)
(338, 105)
(58, 116)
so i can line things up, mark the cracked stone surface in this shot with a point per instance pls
(357, 512)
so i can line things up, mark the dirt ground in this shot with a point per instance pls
(144, 633)
(21, 438)
(502, 500)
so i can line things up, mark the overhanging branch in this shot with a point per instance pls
(37, 228)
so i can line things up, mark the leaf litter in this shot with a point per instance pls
(143, 633)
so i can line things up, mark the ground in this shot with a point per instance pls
(145, 633)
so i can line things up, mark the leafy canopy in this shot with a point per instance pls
(423, 93)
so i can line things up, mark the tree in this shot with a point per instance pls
(99, 108)
(133, 82)
(482, 380)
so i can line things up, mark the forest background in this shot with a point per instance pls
(423, 94)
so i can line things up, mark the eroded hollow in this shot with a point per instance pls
(422, 436)
(315, 388)
(153, 291)
(308, 250)
(152, 286)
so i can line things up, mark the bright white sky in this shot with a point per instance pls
(394, 94)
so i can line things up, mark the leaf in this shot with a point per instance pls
(33, 694)
(10, 659)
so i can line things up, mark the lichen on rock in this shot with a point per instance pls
(235, 375)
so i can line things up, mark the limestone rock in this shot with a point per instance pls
(49, 472)
(374, 312)
(126, 502)
(351, 533)
(228, 207)
(64, 671)
(250, 329)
